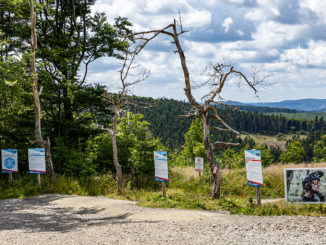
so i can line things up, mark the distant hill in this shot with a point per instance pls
(300, 105)
(167, 123)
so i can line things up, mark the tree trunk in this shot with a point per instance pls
(37, 107)
(48, 160)
(209, 150)
(115, 150)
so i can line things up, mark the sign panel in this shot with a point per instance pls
(254, 168)
(215, 170)
(305, 185)
(161, 166)
(199, 164)
(36, 160)
(9, 159)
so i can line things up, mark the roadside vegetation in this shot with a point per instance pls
(186, 190)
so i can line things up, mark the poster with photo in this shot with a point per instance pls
(305, 185)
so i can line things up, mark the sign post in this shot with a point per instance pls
(9, 159)
(36, 160)
(254, 171)
(161, 169)
(199, 164)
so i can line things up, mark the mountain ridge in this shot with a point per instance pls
(308, 104)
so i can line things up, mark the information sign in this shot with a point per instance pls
(199, 164)
(254, 168)
(161, 166)
(9, 159)
(36, 160)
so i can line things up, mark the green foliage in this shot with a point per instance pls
(293, 153)
(141, 144)
(74, 162)
(320, 150)
(266, 156)
(193, 147)
(232, 159)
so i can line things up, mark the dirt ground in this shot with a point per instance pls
(63, 219)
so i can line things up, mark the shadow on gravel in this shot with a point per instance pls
(36, 214)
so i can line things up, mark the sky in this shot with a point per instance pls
(285, 40)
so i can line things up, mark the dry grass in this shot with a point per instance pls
(187, 172)
(275, 170)
(278, 169)
(270, 140)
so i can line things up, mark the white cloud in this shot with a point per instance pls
(153, 14)
(262, 14)
(236, 1)
(227, 23)
(240, 33)
(316, 6)
(270, 49)
(314, 54)
(272, 34)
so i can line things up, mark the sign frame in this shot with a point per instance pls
(254, 168)
(199, 164)
(286, 182)
(161, 166)
(36, 161)
(9, 157)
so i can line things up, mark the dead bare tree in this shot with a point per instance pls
(218, 74)
(37, 107)
(116, 100)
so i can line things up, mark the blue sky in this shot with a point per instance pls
(284, 39)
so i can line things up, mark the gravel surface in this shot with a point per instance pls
(61, 219)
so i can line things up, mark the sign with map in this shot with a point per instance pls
(9, 159)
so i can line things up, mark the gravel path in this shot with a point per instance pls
(61, 219)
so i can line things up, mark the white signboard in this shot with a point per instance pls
(199, 164)
(9, 159)
(161, 166)
(254, 168)
(36, 160)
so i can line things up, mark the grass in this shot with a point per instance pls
(186, 190)
(301, 115)
(271, 140)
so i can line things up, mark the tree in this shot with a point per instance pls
(70, 38)
(293, 153)
(37, 106)
(320, 150)
(135, 133)
(116, 100)
(218, 75)
(193, 146)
